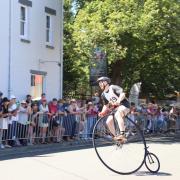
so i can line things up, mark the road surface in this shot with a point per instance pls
(83, 164)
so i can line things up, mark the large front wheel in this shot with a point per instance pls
(120, 158)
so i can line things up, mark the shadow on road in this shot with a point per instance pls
(147, 173)
(40, 150)
(165, 139)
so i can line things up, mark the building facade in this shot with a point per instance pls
(31, 47)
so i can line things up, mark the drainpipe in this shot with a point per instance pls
(9, 53)
(61, 48)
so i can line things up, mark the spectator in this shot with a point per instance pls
(80, 117)
(142, 115)
(174, 115)
(75, 112)
(4, 118)
(29, 99)
(1, 98)
(178, 118)
(54, 123)
(96, 99)
(33, 123)
(132, 115)
(43, 97)
(150, 115)
(53, 106)
(62, 107)
(43, 119)
(161, 123)
(24, 112)
(60, 120)
(12, 129)
(133, 112)
(70, 120)
(91, 117)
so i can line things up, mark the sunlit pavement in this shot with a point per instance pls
(82, 163)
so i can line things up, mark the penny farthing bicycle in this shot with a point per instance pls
(123, 158)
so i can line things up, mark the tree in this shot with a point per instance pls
(74, 70)
(141, 39)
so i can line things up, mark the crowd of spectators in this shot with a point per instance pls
(154, 118)
(31, 122)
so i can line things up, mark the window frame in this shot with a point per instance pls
(25, 22)
(34, 87)
(50, 31)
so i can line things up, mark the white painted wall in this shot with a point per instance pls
(25, 56)
(4, 14)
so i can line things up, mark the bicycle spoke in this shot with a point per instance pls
(152, 162)
(118, 157)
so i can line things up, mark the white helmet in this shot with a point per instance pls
(103, 78)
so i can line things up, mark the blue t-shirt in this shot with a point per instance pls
(61, 108)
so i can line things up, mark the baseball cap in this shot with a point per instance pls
(23, 102)
(90, 103)
(12, 97)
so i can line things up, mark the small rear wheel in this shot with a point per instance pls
(152, 162)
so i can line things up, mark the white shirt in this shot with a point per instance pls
(23, 115)
(13, 118)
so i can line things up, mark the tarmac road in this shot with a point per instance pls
(81, 163)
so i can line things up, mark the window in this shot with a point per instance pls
(24, 22)
(36, 85)
(49, 38)
(50, 14)
(32, 80)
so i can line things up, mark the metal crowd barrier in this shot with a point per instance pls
(42, 128)
(156, 125)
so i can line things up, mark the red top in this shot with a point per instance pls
(53, 108)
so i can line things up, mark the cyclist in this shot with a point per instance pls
(113, 96)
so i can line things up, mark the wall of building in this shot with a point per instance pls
(27, 55)
(4, 44)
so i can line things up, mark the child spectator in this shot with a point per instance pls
(33, 123)
(43, 119)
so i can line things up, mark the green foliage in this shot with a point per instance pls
(141, 39)
(75, 71)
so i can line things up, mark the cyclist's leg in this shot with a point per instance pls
(110, 124)
(120, 114)
(122, 111)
